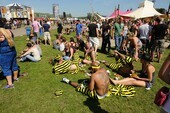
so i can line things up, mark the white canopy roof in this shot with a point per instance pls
(145, 9)
(14, 4)
(17, 5)
(101, 17)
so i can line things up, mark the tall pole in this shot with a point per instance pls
(92, 10)
(168, 11)
(118, 9)
(115, 13)
(153, 2)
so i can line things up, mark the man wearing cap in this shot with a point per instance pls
(98, 86)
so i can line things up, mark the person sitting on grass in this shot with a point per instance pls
(145, 79)
(32, 37)
(98, 86)
(123, 65)
(62, 66)
(89, 54)
(59, 43)
(68, 52)
(73, 44)
(32, 54)
(37, 46)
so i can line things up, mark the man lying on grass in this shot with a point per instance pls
(98, 86)
(123, 65)
(62, 66)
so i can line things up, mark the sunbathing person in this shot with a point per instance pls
(98, 86)
(145, 79)
(123, 65)
(62, 66)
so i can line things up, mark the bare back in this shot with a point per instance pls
(101, 81)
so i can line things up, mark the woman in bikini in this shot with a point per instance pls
(145, 79)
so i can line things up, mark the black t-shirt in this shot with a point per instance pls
(105, 29)
(159, 31)
(92, 30)
(7, 26)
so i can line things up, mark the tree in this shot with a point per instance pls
(161, 10)
(89, 16)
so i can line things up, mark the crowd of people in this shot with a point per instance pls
(135, 40)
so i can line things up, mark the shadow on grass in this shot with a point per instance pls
(94, 106)
(1, 76)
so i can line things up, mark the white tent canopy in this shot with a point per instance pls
(14, 4)
(145, 9)
(17, 5)
(101, 17)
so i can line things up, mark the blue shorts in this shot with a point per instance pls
(148, 84)
(8, 63)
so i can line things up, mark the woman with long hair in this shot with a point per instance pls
(8, 61)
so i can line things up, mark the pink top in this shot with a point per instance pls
(36, 26)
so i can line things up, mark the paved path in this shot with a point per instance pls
(22, 31)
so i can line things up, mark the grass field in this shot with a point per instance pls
(35, 93)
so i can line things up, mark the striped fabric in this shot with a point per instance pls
(62, 68)
(76, 60)
(120, 63)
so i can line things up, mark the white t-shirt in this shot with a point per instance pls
(35, 53)
(62, 47)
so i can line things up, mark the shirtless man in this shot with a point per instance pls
(89, 54)
(98, 86)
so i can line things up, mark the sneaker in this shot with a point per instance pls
(148, 88)
(66, 80)
(8, 86)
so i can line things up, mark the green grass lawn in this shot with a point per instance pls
(35, 93)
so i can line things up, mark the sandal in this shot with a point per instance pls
(8, 86)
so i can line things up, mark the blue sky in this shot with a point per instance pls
(82, 7)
